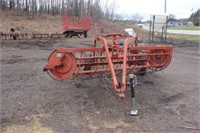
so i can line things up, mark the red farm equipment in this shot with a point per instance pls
(76, 25)
(113, 53)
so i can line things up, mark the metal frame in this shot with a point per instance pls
(112, 56)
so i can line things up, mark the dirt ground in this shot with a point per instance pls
(31, 101)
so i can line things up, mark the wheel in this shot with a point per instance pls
(87, 61)
(70, 34)
(142, 71)
(66, 34)
(64, 67)
(159, 58)
(85, 34)
(140, 61)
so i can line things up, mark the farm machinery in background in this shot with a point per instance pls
(71, 26)
(76, 25)
(117, 54)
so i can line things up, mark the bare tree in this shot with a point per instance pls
(136, 18)
(172, 16)
(96, 8)
(27, 7)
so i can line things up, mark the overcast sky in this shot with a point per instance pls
(180, 8)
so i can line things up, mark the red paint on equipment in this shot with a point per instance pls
(117, 52)
(76, 23)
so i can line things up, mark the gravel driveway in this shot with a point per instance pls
(186, 32)
(168, 101)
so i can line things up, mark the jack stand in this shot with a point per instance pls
(133, 83)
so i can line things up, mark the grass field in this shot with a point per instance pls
(185, 28)
(187, 37)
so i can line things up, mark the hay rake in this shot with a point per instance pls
(111, 53)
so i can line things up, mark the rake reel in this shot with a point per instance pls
(111, 53)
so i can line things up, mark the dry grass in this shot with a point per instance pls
(34, 127)
(37, 23)
(186, 37)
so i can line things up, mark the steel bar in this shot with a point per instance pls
(111, 57)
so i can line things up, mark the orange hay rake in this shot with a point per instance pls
(111, 53)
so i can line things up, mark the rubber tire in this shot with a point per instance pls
(85, 34)
(70, 34)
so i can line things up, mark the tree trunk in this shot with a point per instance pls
(26, 5)
(10, 3)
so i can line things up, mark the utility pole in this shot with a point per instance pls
(165, 6)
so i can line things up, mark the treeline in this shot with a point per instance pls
(96, 8)
(195, 17)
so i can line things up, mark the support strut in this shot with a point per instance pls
(133, 83)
